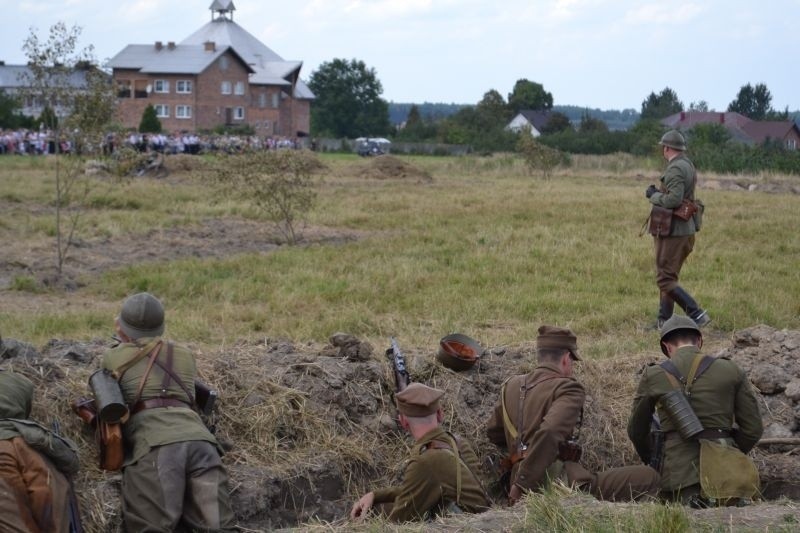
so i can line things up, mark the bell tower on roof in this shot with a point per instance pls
(222, 9)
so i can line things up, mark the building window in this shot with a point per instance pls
(791, 144)
(183, 111)
(223, 63)
(275, 100)
(225, 87)
(162, 111)
(239, 90)
(262, 100)
(183, 86)
(161, 86)
(238, 113)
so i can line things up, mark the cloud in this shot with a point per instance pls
(660, 13)
(139, 10)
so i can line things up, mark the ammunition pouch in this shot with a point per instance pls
(660, 222)
(686, 210)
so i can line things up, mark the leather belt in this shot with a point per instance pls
(153, 403)
(705, 434)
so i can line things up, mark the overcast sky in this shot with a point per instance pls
(609, 54)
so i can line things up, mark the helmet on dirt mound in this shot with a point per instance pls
(142, 315)
(675, 323)
(674, 139)
(458, 352)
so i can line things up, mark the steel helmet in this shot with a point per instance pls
(675, 323)
(674, 139)
(142, 315)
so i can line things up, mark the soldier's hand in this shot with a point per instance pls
(362, 506)
(650, 191)
(514, 494)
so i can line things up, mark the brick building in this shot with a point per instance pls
(219, 75)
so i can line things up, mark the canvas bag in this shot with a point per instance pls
(726, 472)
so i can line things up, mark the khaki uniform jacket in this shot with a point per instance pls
(720, 397)
(679, 182)
(163, 425)
(430, 480)
(546, 417)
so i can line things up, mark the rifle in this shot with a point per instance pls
(401, 376)
(656, 444)
(75, 525)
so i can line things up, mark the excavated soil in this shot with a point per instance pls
(308, 428)
(390, 167)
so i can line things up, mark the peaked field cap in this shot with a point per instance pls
(418, 400)
(142, 315)
(559, 338)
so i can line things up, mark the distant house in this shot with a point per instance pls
(14, 80)
(531, 120)
(221, 75)
(741, 128)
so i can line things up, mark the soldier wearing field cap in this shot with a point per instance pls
(720, 395)
(678, 183)
(173, 477)
(537, 419)
(441, 474)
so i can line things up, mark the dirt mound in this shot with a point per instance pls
(390, 167)
(310, 427)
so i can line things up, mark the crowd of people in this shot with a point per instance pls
(42, 142)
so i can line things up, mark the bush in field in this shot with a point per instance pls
(539, 157)
(279, 183)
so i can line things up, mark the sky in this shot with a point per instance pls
(607, 54)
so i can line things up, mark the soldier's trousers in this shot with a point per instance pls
(34, 495)
(671, 252)
(628, 483)
(175, 487)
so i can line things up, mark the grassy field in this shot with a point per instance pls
(484, 249)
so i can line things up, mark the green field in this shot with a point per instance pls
(485, 248)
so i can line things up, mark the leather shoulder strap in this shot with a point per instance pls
(699, 365)
(512, 430)
(674, 375)
(153, 356)
(169, 374)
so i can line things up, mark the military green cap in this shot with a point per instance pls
(674, 139)
(677, 322)
(418, 400)
(142, 315)
(558, 338)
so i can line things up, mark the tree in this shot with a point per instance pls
(661, 105)
(492, 109)
(78, 116)
(753, 102)
(558, 122)
(537, 156)
(414, 119)
(348, 102)
(279, 183)
(701, 106)
(529, 95)
(149, 122)
(11, 116)
(592, 125)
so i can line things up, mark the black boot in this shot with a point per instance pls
(666, 306)
(690, 306)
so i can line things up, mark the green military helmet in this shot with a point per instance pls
(674, 139)
(677, 322)
(142, 315)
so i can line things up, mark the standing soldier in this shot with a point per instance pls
(537, 420)
(441, 473)
(172, 473)
(718, 393)
(677, 183)
(35, 492)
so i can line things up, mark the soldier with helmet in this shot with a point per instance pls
(172, 475)
(442, 473)
(537, 419)
(677, 183)
(704, 461)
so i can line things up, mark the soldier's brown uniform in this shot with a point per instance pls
(545, 407)
(431, 480)
(34, 492)
(721, 396)
(172, 472)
